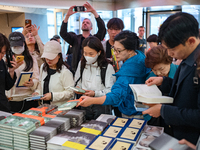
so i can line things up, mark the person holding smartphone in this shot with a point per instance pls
(7, 76)
(76, 40)
(16, 94)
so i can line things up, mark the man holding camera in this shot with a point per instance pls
(76, 40)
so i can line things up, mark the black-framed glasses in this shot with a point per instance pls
(117, 51)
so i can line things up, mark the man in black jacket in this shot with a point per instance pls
(76, 40)
(180, 35)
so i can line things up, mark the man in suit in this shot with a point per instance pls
(179, 34)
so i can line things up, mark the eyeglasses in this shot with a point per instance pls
(117, 51)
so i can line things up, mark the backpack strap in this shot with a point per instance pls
(103, 73)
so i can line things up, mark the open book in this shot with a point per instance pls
(149, 94)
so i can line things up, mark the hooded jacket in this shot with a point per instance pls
(133, 71)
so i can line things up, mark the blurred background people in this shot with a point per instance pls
(152, 40)
(142, 41)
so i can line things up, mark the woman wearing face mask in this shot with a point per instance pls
(89, 75)
(16, 95)
(133, 71)
(55, 78)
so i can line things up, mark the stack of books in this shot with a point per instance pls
(40, 136)
(48, 117)
(21, 130)
(78, 141)
(6, 133)
(5, 114)
(77, 117)
(47, 107)
(60, 123)
(33, 112)
(57, 112)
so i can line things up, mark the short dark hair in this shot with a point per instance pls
(94, 43)
(115, 23)
(4, 42)
(141, 27)
(152, 38)
(157, 55)
(128, 39)
(177, 28)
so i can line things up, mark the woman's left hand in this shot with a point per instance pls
(29, 83)
(46, 97)
(89, 93)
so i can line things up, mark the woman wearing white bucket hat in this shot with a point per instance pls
(54, 76)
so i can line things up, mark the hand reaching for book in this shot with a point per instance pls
(89, 93)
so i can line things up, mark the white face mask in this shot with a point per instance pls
(18, 49)
(91, 60)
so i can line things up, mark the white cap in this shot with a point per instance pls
(51, 50)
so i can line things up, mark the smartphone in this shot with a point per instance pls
(19, 58)
(28, 21)
(9, 58)
(79, 8)
(77, 89)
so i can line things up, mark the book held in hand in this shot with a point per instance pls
(149, 94)
(24, 77)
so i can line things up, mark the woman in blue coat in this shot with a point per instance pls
(133, 71)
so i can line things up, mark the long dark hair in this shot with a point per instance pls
(94, 43)
(27, 58)
(58, 65)
(4, 42)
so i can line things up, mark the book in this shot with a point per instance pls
(129, 134)
(166, 142)
(112, 131)
(149, 94)
(77, 89)
(121, 145)
(137, 123)
(100, 143)
(153, 130)
(106, 118)
(145, 140)
(94, 124)
(69, 105)
(24, 76)
(121, 122)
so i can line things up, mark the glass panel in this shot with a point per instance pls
(73, 23)
(105, 16)
(51, 31)
(192, 9)
(58, 18)
(50, 17)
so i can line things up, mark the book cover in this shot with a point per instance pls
(68, 105)
(121, 122)
(112, 131)
(106, 118)
(137, 123)
(149, 94)
(97, 125)
(145, 140)
(91, 131)
(166, 142)
(153, 130)
(129, 134)
(24, 76)
(100, 143)
(121, 145)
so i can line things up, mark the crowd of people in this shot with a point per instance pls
(104, 69)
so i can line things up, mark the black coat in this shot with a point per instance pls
(75, 40)
(6, 83)
(184, 114)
